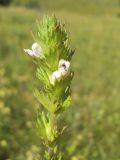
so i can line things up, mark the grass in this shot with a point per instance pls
(93, 119)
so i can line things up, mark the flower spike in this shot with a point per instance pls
(53, 72)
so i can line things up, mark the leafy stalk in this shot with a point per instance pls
(52, 55)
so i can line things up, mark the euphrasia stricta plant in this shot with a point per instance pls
(52, 54)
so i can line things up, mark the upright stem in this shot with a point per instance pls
(51, 153)
(53, 72)
(52, 147)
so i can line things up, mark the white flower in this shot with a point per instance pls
(62, 71)
(64, 64)
(36, 51)
(55, 75)
(63, 68)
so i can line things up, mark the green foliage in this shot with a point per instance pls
(80, 6)
(53, 39)
(53, 152)
(48, 132)
(5, 2)
(27, 3)
(11, 111)
(50, 53)
(96, 90)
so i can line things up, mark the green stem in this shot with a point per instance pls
(52, 145)
(52, 152)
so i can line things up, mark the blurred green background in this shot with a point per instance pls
(93, 119)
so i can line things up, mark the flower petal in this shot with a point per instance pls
(29, 52)
(37, 50)
(55, 75)
(63, 71)
(65, 64)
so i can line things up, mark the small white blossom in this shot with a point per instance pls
(63, 68)
(64, 64)
(62, 71)
(55, 75)
(36, 51)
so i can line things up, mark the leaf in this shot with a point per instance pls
(67, 102)
(47, 100)
(43, 76)
(46, 127)
(41, 126)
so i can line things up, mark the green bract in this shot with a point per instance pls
(47, 131)
(53, 39)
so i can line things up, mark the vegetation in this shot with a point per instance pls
(5, 2)
(94, 116)
(52, 55)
